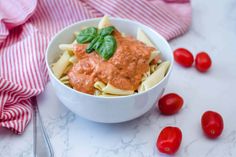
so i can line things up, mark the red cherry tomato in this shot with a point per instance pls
(202, 62)
(170, 103)
(184, 57)
(169, 140)
(212, 124)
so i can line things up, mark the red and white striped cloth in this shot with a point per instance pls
(23, 41)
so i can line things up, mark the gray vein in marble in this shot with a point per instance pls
(27, 152)
(230, 141)
(189, 145)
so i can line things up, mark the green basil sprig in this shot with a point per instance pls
(86, 35)
(108, 47)
(90, 47)
(101, 41)
(106, 31)
(95, 43)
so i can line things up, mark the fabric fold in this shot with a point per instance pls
(155, 14)
(14, 13)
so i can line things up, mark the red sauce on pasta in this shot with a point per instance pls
(123, 70)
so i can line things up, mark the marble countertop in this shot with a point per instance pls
(213, 30)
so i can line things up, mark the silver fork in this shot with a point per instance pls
(41, 143)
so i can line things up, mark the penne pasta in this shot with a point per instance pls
(153, 55)
(66, 47)
(146, 75)
(74, 42)
(99, 85)
(141, 36)
(113, 90)
(153, 68)
(109, 89)
(59, 67)
(155, 77)
(73, 59)
(65, 82)
(105, 22)
(67, 68)
(97, 92)
(64, 78)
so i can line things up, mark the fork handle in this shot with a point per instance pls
(42, 145)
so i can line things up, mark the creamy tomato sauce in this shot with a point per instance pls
(123, 70)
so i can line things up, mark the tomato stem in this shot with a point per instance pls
(213, 132)
(167, 149)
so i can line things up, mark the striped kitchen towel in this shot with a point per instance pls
(26, 26)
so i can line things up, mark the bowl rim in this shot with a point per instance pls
(104, 97)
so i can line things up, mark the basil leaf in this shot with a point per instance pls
(95, 44)
(98, 43)
(107, 48)
(106, 31)
(101, 41)
(90, 48)
(86, 35)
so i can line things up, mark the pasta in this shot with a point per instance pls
(116, 91)
(111, 89)
(66, 70)
(141, 36)
(73, 59)
(66, 47)
(153, 55)
(59, 67)
(155, 73)
(153, 68)
(155, 77)
(147, 74)
(64, 78)
(104, 22)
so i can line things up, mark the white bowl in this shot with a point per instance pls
(107, 109)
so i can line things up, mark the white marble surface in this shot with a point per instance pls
(213, 30)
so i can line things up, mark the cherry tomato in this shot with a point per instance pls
(169, 140)
(170, 103)
(184, 57)
(212, 124)
(202, 62)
